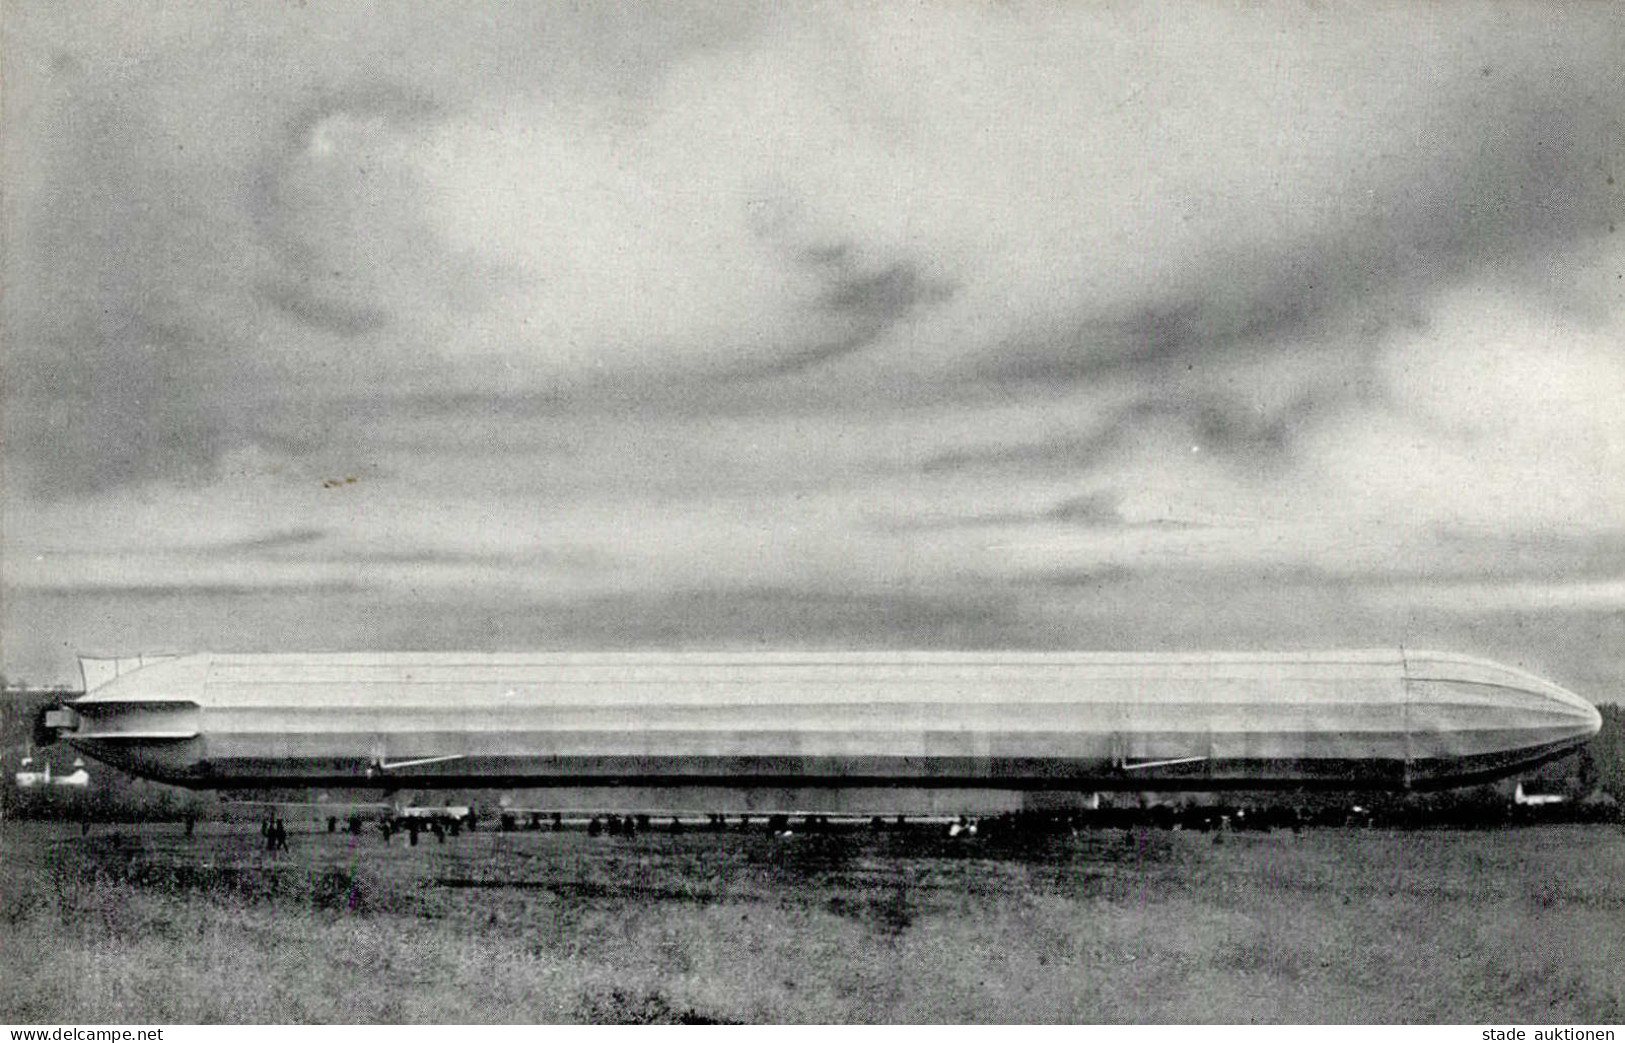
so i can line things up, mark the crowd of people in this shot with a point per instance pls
(1218, 818)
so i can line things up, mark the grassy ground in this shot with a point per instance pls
(139, 924)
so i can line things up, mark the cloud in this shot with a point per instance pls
(281, 540)
(630, 301)
(1479, 598)
(322, 312)
(865, 306)
(1500, 415)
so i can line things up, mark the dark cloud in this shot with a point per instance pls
(1068, 453)
(116, 403)
(1504, 178)
(856, 303)
(862, 307)
(280, 236)
(766, 616)
(1537, 555)
(553, 561)
(1452, 560)
(879, 298)
(313, 215)
(1098, 510)
(185, 590)
(1083, 579)
(338, 617)
(115, 374)
(1502, 172)
(168, 220)
(312, 545)
(287, 539)
(302, 302)
(1527, 191)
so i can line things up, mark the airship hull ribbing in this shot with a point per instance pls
(775, 723)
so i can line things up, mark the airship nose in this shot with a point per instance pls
(1593, 720)
(1561, 717)
(1471, 715)
(1585, 718)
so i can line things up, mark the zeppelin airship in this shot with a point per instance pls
(845, 731)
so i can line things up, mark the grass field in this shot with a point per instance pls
(140, 924)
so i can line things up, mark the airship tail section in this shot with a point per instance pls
(102, 670)
(136, 715)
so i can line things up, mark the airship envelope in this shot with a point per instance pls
(782, 721)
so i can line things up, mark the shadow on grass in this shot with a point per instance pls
(584, 889)
(889, 915)
(614, 1006)
(333, 889)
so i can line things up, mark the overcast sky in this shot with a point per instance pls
(481, 325)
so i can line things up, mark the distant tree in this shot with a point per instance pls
(1606, 754)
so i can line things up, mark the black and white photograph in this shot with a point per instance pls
(908, 512)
